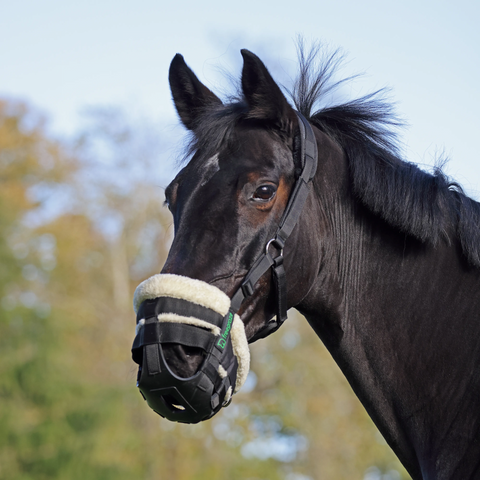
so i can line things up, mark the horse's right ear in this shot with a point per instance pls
(190, 96)
(264, 98)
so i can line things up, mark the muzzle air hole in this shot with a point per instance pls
(173, 404)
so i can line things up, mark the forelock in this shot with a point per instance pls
(214, 128)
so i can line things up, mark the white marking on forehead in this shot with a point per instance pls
(210, 168)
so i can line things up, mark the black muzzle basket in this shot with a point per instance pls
(169, 320)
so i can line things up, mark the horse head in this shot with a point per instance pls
(227, 204)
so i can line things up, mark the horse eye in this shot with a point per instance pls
(264, 192)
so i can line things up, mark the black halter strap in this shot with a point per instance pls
(308, 159)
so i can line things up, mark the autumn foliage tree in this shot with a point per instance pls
(82, 224)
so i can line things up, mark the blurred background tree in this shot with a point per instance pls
(82, 224)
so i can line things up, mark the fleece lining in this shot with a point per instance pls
(174, 318)
(177, 286)
(201, 293)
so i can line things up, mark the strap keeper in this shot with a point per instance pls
(247, 288)
(278, 261)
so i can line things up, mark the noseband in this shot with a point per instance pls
(172, 309)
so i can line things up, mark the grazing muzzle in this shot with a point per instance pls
(172, 309)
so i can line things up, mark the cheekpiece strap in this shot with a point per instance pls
(290, 217)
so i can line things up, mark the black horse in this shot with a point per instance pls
(384, 261)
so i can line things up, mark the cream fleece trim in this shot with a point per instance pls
(140, 324)
(201, 293)
(241, 351)
(174, 318)
(177, 286)
(228, 395)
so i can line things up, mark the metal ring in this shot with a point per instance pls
(268, 246)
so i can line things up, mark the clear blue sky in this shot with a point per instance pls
(64, 55)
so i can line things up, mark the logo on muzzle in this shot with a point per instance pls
(222, 341)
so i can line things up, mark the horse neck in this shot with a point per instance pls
(383, 304)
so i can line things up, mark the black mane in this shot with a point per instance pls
(426, 206)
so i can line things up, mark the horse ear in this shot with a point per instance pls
(190, 96)
(264, 97)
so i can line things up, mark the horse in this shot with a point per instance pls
(382, 259)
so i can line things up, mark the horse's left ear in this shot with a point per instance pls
(264, 97)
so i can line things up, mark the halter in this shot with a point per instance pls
(174, 309)
(309, 160)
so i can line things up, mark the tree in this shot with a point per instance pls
(81, 225)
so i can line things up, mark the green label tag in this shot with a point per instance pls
(222, 341)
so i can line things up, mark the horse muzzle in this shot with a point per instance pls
(172, 309)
